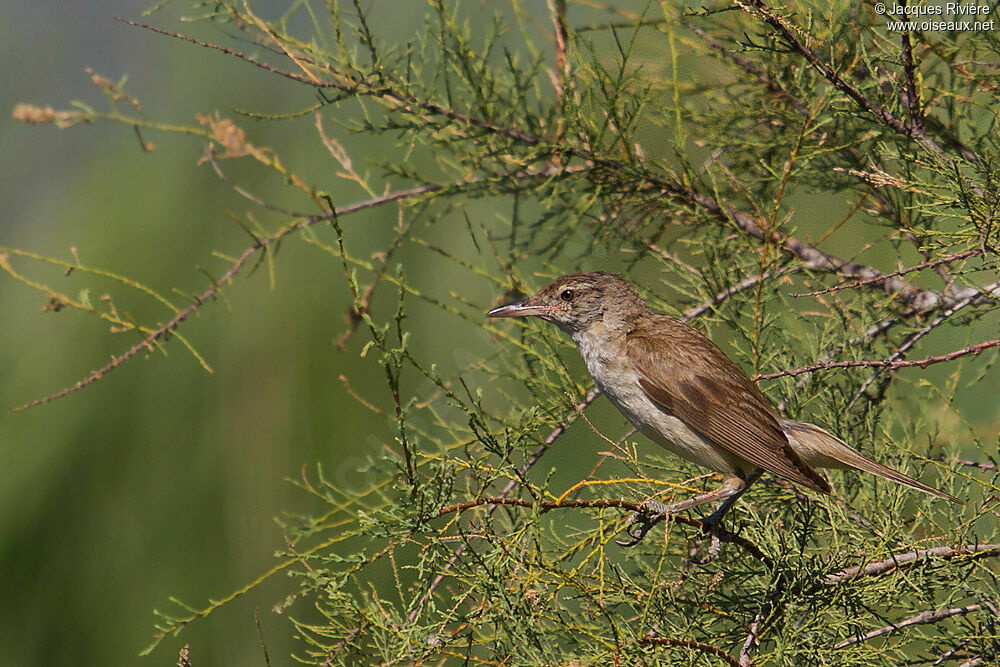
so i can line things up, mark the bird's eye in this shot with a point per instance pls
(567, 295)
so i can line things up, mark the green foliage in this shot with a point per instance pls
(728, 179)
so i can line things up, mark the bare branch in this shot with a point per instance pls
(751, 641)
(914, 338)
(902, 272)
(883, 363)
(923, 618)
(815, 259)
(909, 559)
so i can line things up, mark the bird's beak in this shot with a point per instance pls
(519, 309)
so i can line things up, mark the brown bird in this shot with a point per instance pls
(680, 390)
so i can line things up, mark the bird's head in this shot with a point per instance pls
(576, 301)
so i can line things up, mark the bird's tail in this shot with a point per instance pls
(820, 449)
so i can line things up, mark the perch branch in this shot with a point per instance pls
(602, 503)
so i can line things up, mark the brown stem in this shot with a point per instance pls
(353, 86)
(561, 79)
(690, 643)
(909, 74)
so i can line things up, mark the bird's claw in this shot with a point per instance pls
(719, 534)
(640, 523)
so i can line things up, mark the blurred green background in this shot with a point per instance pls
(162, 479)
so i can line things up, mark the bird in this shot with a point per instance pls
(679, 389)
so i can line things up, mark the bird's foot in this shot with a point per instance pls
(641, 522)
(719, 534)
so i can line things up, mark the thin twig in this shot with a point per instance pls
(749, 68)
(760, 10)
(952, 651)
(730, 291)
(260, 636)
(750, 643)
(870, 333)
(352, 86)
(243, 192)
(216, 286)
(561, 79)
(753, 636)
(348, 638)
(549, 440)
(980, 465)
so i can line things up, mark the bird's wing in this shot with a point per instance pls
(725, 407)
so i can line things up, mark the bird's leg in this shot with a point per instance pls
(714, 520)
(732, 487)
